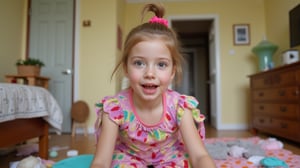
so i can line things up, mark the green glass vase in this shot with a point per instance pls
(264, 51)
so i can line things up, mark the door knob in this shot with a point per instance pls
(67, 72)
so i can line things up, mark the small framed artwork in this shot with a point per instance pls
(241, 34)
(119, 37)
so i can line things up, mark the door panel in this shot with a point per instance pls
(51, 39)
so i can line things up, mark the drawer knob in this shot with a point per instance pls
(284, 125)
(283, 109)
(261, 107)
(261, 94)
(261, 120)
(281, 93)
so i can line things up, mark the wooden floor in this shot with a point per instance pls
(86, 144)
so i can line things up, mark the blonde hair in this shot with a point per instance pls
(150, 31)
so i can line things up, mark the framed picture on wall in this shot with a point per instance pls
(119, 37)
(241, 34)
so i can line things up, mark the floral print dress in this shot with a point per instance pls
(138, 144)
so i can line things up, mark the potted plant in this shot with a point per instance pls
(29, 66)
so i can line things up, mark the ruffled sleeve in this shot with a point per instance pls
(189, 102)
(111, 106)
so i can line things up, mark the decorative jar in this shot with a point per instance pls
(264, 51)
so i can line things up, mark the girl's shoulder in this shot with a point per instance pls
(114, 106)
(114, 102)
(180, 100)
(180, 103)
(120, 97)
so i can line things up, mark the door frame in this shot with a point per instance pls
(215, 19)
(76, 50)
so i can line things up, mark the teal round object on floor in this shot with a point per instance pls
(80, 161)
(273, 162)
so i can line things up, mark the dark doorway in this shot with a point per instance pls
(194, 38)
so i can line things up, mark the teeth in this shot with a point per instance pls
(150, 86)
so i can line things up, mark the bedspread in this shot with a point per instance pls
(23, 101)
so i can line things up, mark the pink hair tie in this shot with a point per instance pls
(156, 19)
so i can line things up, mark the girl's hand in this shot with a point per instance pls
(198, 154)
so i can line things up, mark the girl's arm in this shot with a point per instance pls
(198, 154)
(106, 143)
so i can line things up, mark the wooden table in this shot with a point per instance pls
(28, 80)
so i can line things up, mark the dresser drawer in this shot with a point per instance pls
(298, 76)
(261, 122)
(275, 79)
(284, 111)
(284, 128)
(279, 94)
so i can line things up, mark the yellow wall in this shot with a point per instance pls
(121, 24)
(277, 20)
(12, 35)
(98, 50)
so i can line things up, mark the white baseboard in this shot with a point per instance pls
(91, 130)
(234, 127)
(81, 130)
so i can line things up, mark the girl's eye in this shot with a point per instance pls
(162, 65)
(139, 63)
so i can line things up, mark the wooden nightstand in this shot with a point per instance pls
(28, 80)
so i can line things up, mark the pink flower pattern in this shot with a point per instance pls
(138, 144)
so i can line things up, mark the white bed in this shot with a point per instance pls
(27, 112)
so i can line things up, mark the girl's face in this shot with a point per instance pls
(150, 69)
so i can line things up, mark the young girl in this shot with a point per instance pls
(148, 125)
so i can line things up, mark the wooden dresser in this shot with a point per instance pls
(275, 101)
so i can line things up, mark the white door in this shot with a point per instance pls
(51, 40)
(213, 77)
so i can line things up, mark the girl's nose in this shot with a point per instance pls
(150, 72)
